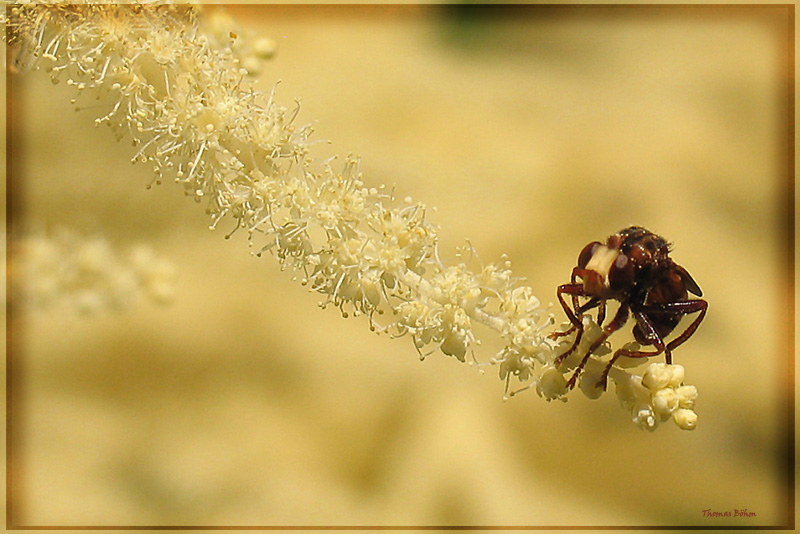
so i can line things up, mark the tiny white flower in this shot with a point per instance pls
(551, 384)
(590, 380)
(646, 418)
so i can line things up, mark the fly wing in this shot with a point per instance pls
(691, 285)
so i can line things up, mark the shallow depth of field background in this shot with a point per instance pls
(533, 132)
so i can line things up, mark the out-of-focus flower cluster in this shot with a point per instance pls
(86, 274)
(180, 89)
(251, 50)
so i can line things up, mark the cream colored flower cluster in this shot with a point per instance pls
(181, 91)
(183, 96)
(655, 396)
(86, 274)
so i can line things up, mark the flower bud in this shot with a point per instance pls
(684, 418)
(665, 401)
(657, 376)
(552, 383)
(686, 396)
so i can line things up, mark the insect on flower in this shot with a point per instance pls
(633, 267)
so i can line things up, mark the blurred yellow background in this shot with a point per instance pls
(533, 131)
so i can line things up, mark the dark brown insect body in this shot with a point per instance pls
(633, 267)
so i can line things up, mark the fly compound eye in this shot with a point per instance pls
(621, 273)
(587, 253)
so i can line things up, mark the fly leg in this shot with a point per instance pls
(616, 323)
(682, 307)
(574, 315)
